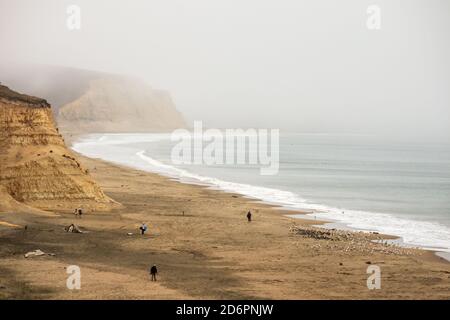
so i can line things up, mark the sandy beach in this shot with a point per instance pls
(208, 252)
(138, 135)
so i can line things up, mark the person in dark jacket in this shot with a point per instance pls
(143, 228)
(249, 216)
(153, 272)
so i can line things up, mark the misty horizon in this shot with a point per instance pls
(302, 67)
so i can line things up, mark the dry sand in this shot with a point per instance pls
(210, 252)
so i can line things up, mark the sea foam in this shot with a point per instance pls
(118, 148)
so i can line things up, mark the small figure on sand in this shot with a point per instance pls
(78, 212)
(143, 228)
(249, 216)
(153, 272)
(73, 228)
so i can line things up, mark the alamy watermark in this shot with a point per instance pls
(373, 17)
(73, 21)
(374, 280)
(259, 147)
(73, 282)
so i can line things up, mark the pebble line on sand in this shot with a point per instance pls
(347, 241)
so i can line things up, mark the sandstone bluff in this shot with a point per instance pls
(36, 168)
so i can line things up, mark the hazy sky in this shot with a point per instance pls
(310, 66)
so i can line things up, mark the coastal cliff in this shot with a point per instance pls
(36, 168)
(117, 104)
(85, 101)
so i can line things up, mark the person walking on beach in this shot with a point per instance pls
(80, 212)
(249, 216)
(143, 228)
(153, 272)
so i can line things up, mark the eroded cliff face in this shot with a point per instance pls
(117, 104)
(36, 168)
(85, 101)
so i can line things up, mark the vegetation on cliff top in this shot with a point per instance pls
(9, 94)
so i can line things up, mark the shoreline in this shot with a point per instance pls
(297, 213)
(301, 215)
(208, 252)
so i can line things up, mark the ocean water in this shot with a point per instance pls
(396, 188)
